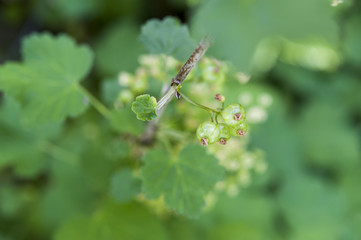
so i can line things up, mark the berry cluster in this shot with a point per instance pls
(234, 124)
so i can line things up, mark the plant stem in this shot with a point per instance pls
(216, 118)
(165, 99)
(100, 107)
(210, 110)
(183, 73)
(59, 153)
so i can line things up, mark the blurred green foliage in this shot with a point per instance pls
(68, 172)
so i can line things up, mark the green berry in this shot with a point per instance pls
(233, 114)
(225, 133)
(239, 130)
(208, 132)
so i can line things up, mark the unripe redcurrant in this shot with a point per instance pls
(208, 132)
(225, 133)
(239, 130)
(233, 114)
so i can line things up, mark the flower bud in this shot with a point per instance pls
(219, 97)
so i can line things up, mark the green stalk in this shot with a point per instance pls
(165, 99)
(59, 153)
(210, 110)
(100, 107)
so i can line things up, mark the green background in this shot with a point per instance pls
(305, 54)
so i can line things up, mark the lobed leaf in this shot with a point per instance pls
(57, 57)
(47, 80)
(144, 107)
(124, 186)
(30, 160)
(183, 181)
(167, 37)
(239, 26)
(114, 221)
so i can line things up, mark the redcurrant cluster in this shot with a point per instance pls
(233, 124)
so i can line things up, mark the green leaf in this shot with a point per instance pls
(31, 160)
(29, 166)
(110, 90)
(179, 229)
(78, 9)
(304, 198)
(259, 210)
(124, 186)
(58, 56)
(48, 80)
(237, 27)
(352, 39)
(114, 221)
(11, 200)
(167, 37)
(183, 181)
(233, 231)
(144, 107)
(69, 193)
(118, 48)
(75, 228)
(332, 138)
(123, 121)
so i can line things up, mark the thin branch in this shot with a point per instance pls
(208, 109)
(183, 73)
(192, 60)
(99, 106)
(168, 94)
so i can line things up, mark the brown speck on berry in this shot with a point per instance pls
(223, 141)
(241, 132)
(237, 116)
(204, 141)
